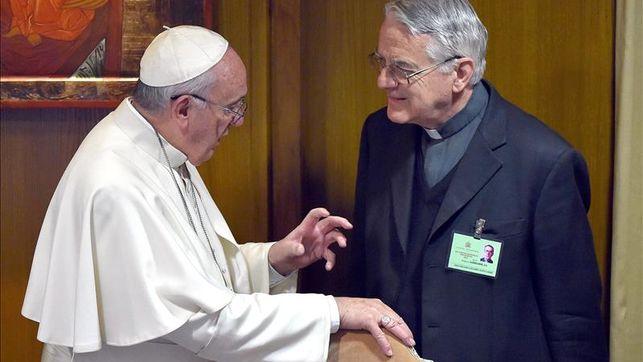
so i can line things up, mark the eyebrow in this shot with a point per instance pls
(404, 64)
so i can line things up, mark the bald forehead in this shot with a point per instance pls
(230, 66)
(230, 83)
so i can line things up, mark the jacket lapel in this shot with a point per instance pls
(474, 170)
(478, 164)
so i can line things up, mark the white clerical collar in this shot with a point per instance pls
(476, 104)
(143, 135)
(433, 133)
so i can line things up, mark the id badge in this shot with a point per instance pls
(474, 255)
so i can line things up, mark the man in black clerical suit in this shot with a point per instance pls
(449, 165)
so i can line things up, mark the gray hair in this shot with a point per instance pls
(453, 25)
(155, 99)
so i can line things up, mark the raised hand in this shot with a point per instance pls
(309, 242)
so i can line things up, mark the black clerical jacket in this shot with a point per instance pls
(532, 189)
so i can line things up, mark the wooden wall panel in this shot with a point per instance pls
(237, 175)
(285, 95)
(338, 92)
(35, 147)
(554, 59)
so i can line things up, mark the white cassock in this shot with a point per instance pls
(119, 274)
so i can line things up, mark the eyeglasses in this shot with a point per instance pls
(237, 111)
(399, 73)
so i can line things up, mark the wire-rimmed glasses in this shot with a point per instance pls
(237, 111)
(399, 73)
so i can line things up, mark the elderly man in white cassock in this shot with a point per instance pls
(135, 262)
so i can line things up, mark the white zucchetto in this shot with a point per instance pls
(179, 54)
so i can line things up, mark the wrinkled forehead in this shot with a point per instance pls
(395, 40)
(231, 82)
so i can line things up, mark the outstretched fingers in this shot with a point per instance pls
(335, 236)
(313, 216)
(333, 222)
(330, 259)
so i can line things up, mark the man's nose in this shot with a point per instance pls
(384, 80)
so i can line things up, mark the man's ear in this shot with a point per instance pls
(463, 73)
(180, 111)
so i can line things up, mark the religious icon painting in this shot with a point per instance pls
(70, 51)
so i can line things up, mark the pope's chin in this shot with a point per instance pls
(210, 153)
(199, 159)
